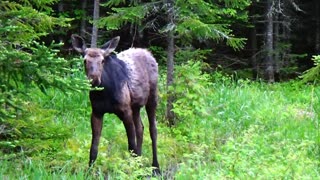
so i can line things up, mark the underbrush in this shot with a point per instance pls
(225, 129)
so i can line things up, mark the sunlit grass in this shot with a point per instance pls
(249, 130)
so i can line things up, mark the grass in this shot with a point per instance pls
(249, 130)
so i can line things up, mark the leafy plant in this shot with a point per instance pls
(32, 132)
(313, 74)
(190, 90)
(250, 130)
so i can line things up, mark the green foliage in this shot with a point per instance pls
(229, 129)
(289, 159)
(209, 21)
(193, 19)
(189, 85)
(313, 74)
(190, 89)
(257, 131)
(33, 132)
(25, 63)
(121, 16)
(37, 65)
(183, 56)
(249, 130)
(22, 22)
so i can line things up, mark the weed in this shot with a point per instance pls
(226, 129)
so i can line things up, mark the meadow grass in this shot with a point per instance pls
(245, 130)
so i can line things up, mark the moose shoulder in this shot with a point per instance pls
(129, 80)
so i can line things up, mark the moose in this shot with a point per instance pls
(127, 81)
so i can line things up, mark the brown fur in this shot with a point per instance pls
(130, 82)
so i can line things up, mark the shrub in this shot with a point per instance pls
(313, 74)
(33, 132)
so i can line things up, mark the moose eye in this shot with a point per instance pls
(102, 61)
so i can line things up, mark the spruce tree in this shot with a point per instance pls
(27, 63)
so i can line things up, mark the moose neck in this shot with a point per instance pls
(114, 74)
(113, 78)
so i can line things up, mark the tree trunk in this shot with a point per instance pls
(95, 24)
(253, 47)
(170, 65)
(83, 24)
(317, 17)
(269, 61)
(253, 43)
(61, 10)
(277, 58)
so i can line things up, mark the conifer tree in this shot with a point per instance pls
(25, 61)
(200, 20)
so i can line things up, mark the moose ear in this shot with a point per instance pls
(78, 43)
(111, 45)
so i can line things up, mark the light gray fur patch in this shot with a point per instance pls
(142, 68)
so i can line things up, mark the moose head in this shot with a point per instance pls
(94, 58)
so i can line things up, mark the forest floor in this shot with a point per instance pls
(247, 130)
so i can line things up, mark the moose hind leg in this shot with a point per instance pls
(96, 127)
(151, 111)
(126, 117)
(139, 129)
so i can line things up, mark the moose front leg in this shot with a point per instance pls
(96, 127)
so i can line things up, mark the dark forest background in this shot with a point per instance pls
(281, 35)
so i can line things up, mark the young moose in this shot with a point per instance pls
(129, 81)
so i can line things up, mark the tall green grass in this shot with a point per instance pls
(241, 129)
